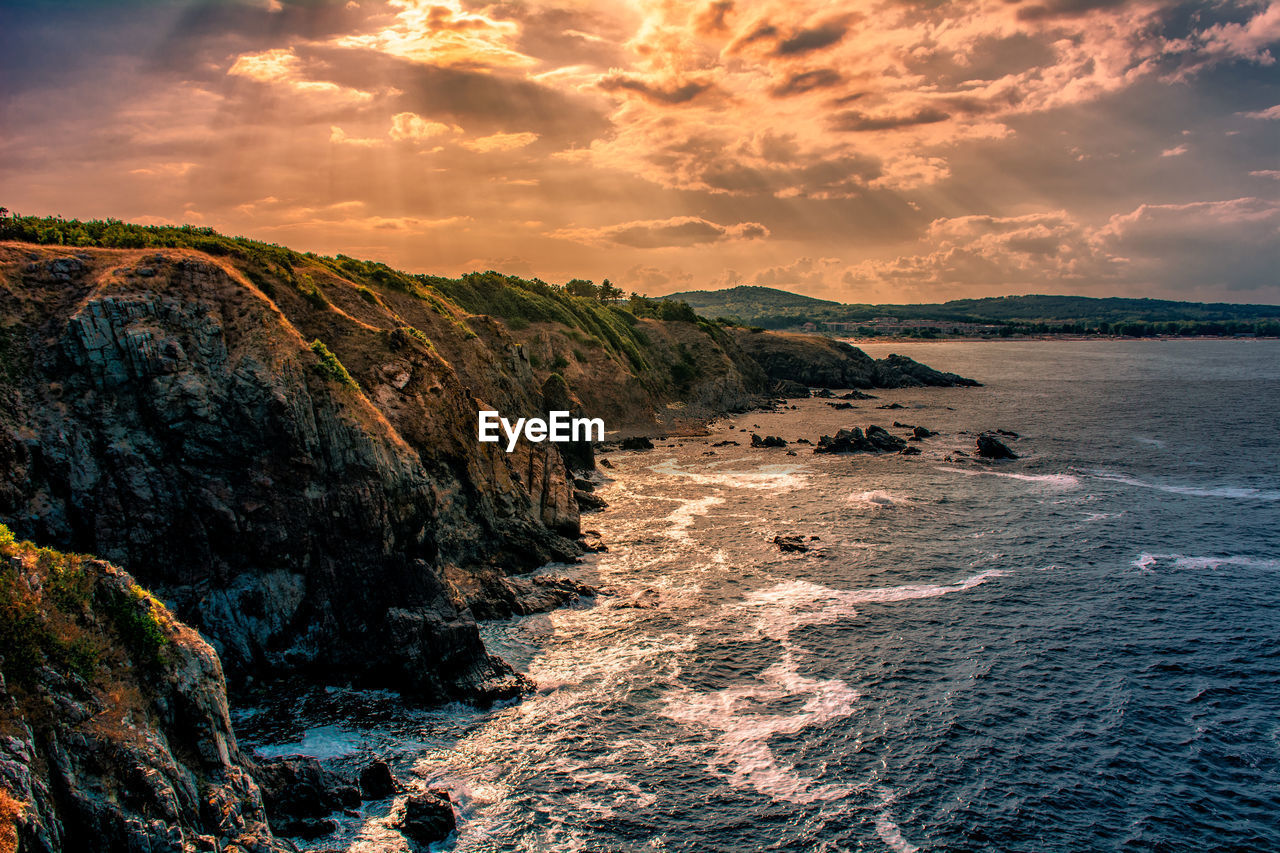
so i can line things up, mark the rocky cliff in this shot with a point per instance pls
(289, 461)
(114, 732)
(825, 363)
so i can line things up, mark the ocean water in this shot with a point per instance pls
(1075, 650)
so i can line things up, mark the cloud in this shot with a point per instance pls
(1176, 151)
(500, 142)
(282, 67)
(442, 33)
(410, 126)
(1268, 113)
(678, 231)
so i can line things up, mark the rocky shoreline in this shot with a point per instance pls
(282, 448)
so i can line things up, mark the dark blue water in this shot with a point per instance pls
(1076, 650)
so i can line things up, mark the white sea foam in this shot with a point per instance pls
(1153, 442)
(742, 750)
(682, 518)
(1233, 492)
(890, 833)
(1060, 481)
(777, 478)
(1147, 562)
(321, 742)
(780, 609)
(876, 498)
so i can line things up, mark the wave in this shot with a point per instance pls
(742, 751)
(1234, 492)
(890, 833)
(877, 498)
(682, 518)
(1147, 562)
(321, 742)
(775, 477)
(782, 608)
(1062, 481)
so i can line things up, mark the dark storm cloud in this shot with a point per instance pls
(854, 121)
(815, 38)
(807, 81)
(673, 94)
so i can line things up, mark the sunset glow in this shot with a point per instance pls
(890, 151)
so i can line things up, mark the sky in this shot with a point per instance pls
(869, 151)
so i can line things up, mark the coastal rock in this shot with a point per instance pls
(638, 442)
(883, 440)
(823, 393)
(790, 544)
(840, 405)
(588, 502)
(990, 447)
(427, 817)
(299, 787)
(891, 406)
(844, 441)
(857, 395)
(817, 361)
(910, 451)
(134, 752)
(922, 432)
(729, 443)
(377, 782)
(767, 441)
(790, 390)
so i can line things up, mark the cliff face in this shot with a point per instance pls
(825, 363)
(169, 414)
(114, 733)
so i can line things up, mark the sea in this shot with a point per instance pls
(1075, 650)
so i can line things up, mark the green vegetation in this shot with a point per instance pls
(328, 364)
(1006, 315)
(50, 604)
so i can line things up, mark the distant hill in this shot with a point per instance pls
(777, 309)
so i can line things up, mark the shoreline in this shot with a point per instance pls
(1042, 338)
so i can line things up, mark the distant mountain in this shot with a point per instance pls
(772, 308)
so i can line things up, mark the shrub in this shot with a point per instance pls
(328, 364)
(367, 295)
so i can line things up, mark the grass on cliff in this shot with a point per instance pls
(55, 612)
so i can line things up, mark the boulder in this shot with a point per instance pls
(881, 439)
(767, 441)
(910, 451)
(790, 544)
(587, 501)
(840, 405)
(636, 442)
(377, 782)
(790, 389)
(427, 817)
(990, 447)
(844, 441)
(922, 432)
(891, 406)
(824, 393)
(298, 787)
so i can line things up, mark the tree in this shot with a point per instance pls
(582, 287)
(609, 292)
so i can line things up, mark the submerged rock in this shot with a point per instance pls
(990, 447)
(427, 818)
(790, 544)
(645, 599)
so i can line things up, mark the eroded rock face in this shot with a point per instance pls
(796, 360)
(133, 753)
(181, 426)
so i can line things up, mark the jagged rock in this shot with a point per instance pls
(790, 544)
(790, 390)
(767, 441)
(427, 817)
(990, 447)
(728, 443)
(824, 393)
(587, 502)
(922, 432)
(910, 451)
(817, 361)
(840, 405)
(891, 406)
(377, 782)
(857, 395)
(556, 397)
(881, 439)
(638, 442)
(901, 425)
(299, 786)
(844, 441)
(584, 484)
(803, 441)
(605, 463)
